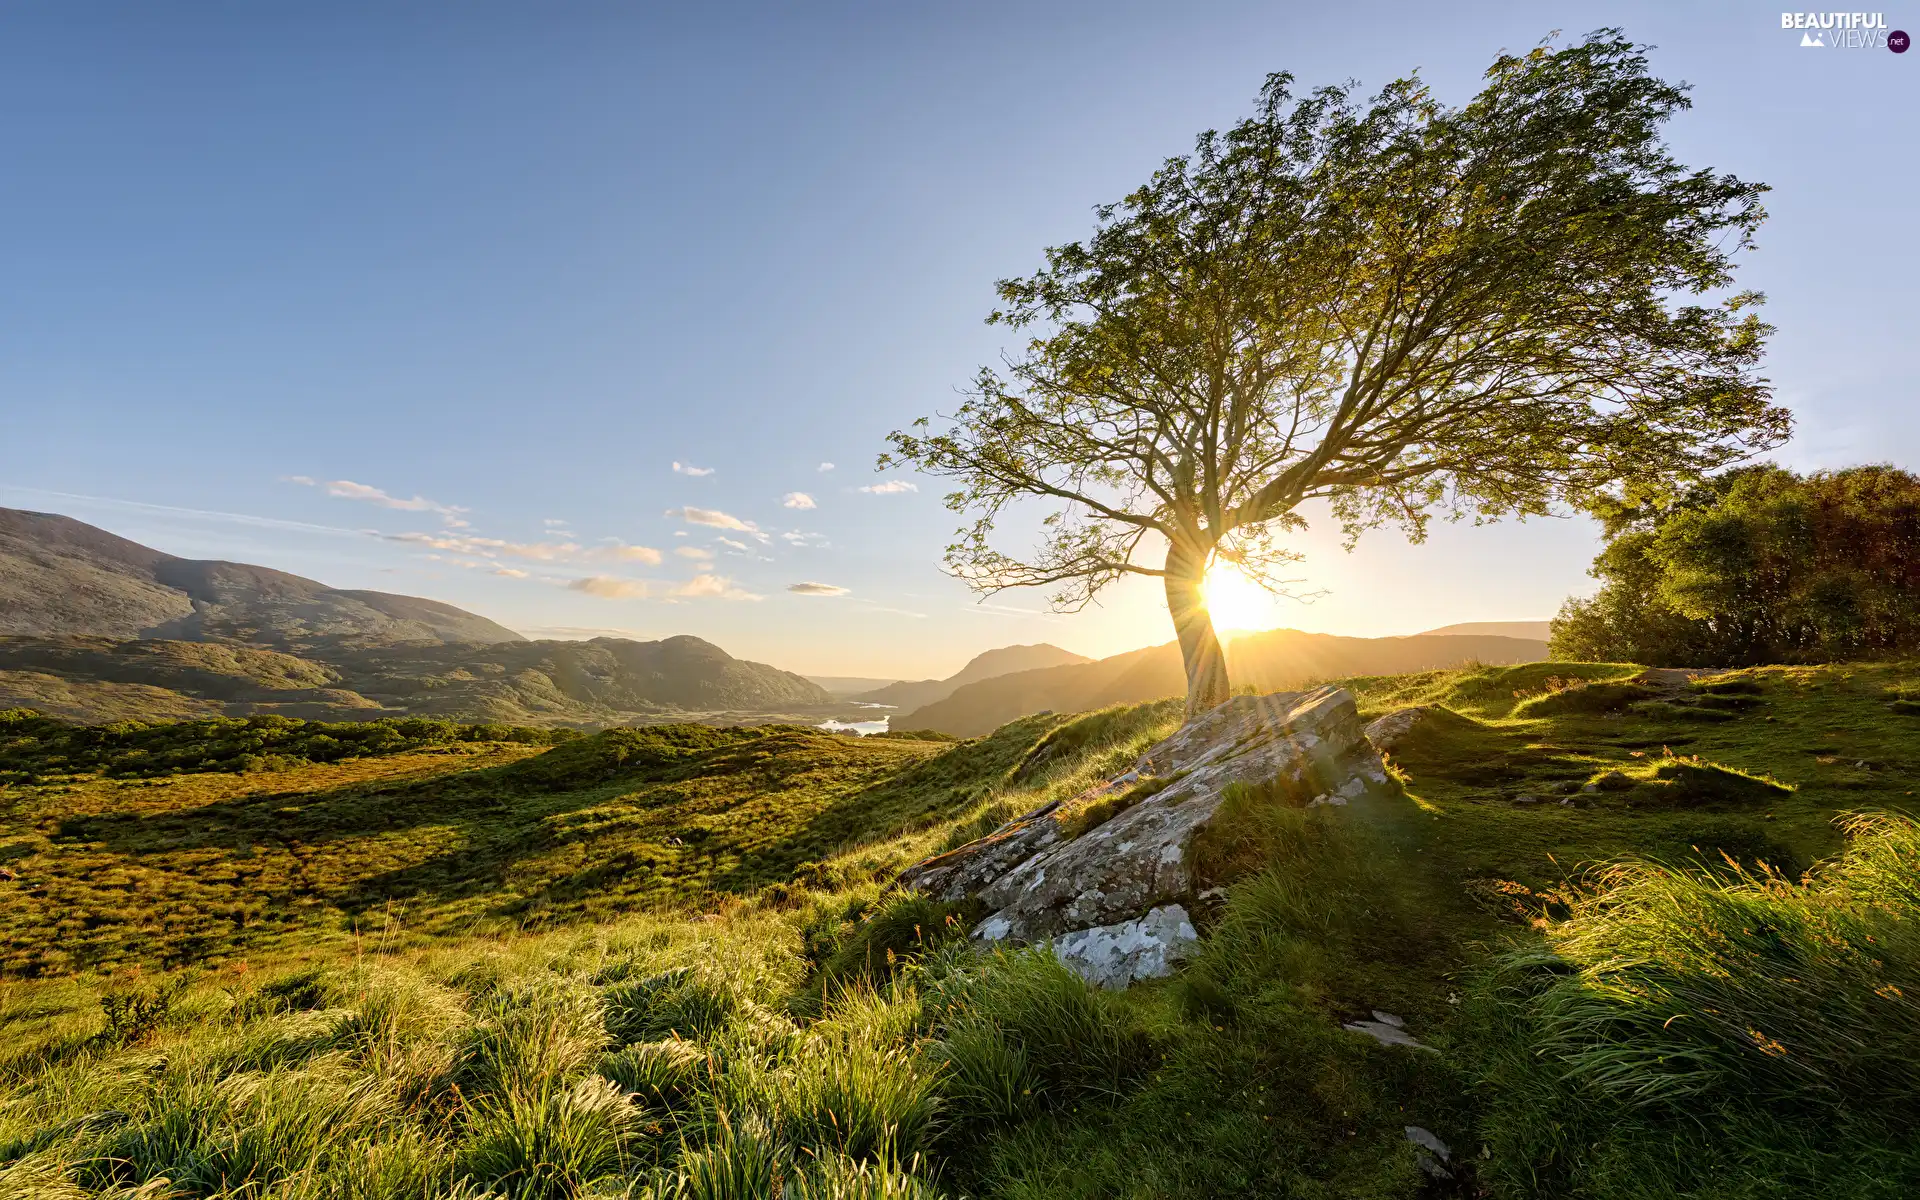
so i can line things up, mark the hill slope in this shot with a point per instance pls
(602, 682)
(365, 1013)
(1274, 661)
(911, 694)
(60, 576)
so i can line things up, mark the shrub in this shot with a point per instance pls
(137, 1011)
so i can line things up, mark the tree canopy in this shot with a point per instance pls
(1757, 565)
(1394, 307)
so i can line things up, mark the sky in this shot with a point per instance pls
(592, 318)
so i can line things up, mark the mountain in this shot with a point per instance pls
(1533, 630)
(59, 576)
(848, 685)
(909, 695)
(1278, 660)
(606, 681)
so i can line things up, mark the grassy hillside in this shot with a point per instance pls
(605, 681)
(658, 963)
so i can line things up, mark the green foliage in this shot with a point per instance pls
(1758, 565)
(1596, 344)
(132, 1014)
(32, 746)
(1580, 697)
(664, 1073)
(551, 1145)
(1686, 1034)
(601, 756)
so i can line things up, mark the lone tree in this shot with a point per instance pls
(1401, 309)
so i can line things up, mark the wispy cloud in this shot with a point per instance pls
(797, 500)
(891, 487)
(511, 572)
(817, 589)
(680, 468)
(737, 547)
(484, 547)
(621, 552)
(705, 586)
(826, 466)
(694, 552)
(346, 489)
(717, 587)
(794, 537)
(607, 587)
(714, 518)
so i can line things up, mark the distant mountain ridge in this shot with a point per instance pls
(1533, 630)
(94, 627)
(1278, 660)
(918, 693)
(59, 577)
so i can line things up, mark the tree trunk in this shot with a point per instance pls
(1207, 685)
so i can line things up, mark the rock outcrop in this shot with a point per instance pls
(1114, 901)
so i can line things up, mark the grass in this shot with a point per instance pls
(663, 963)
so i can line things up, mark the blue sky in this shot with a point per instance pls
(484, 273)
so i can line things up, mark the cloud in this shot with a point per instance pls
(347, 489)
(817, 589)
(555, 522)
(797, 500)
(704, 586)
(690, 469)
(460, 543)
(607, 587)
(890, 488)
(794, 537)
(729, 543)
(510, 572)
(716, 587)
(302, 480)
(716, 519)
(694, 552)
(621, 552)
(826, 466)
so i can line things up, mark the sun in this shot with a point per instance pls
(1236, 601)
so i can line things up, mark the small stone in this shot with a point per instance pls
(1388, 1035)
(1434, 1154)
(1527, 798)
(1389, 1019)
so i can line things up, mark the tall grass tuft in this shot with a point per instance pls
(552, 1144)
(1735, 1034)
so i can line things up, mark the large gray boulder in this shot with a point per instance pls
(1106, 900)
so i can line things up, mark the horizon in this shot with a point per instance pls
(593, 324)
